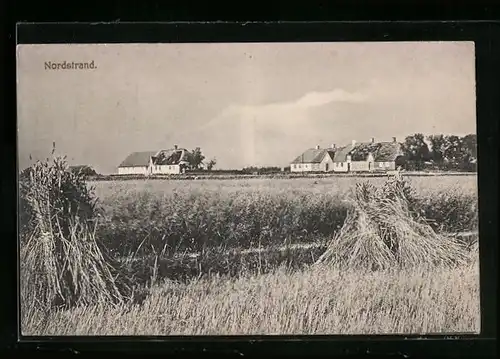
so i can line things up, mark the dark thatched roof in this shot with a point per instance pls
(79, 167)
(138, 159)
(162, 157)
(388, 152)
(361, 150)
(381, 151)
(83, 169)
(171, 157)
(314, 155)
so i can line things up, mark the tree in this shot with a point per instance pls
(211, 164)
(454, 150)
(195, 159)
(438, 143)
(469, 143)
(415, 150)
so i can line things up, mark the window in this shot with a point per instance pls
(341, 164)
(380, 164)
(387, 164)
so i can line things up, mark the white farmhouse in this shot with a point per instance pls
(171, 161)
(314, 160)
(369, 157)
(355, 157)
(137, 163)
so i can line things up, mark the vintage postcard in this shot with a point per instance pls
(248, 188)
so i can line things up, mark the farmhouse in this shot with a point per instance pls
(376, 156)
(354, 157)
(314, 160)
(83, 169)
(342, 158)
(171, 161)
(137, 163)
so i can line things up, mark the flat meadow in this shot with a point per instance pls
(239, 256)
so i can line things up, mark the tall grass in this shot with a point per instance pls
(193, 215)
(194, 220)
(312, 301)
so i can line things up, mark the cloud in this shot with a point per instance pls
(286, 111)
(314, 99)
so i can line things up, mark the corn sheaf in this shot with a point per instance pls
(385, 229)
(62, 265)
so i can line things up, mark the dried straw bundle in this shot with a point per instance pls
(384, 230)
(61, 261)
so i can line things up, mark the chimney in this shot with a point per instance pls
(175, 147)
(372, 140)
(353, 142)
(317, 147)
(394, 139)
(333, 146)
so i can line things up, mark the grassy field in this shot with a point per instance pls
(173, 216)
(219, 257)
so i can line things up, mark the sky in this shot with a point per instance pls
(259, 104)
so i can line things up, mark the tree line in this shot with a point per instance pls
(440, 152)
(196, 161)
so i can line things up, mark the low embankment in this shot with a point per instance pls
(231, 175)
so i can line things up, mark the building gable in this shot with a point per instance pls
(342, 153)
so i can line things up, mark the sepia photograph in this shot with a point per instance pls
(293, 188)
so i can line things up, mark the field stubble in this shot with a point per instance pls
(321, 300)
